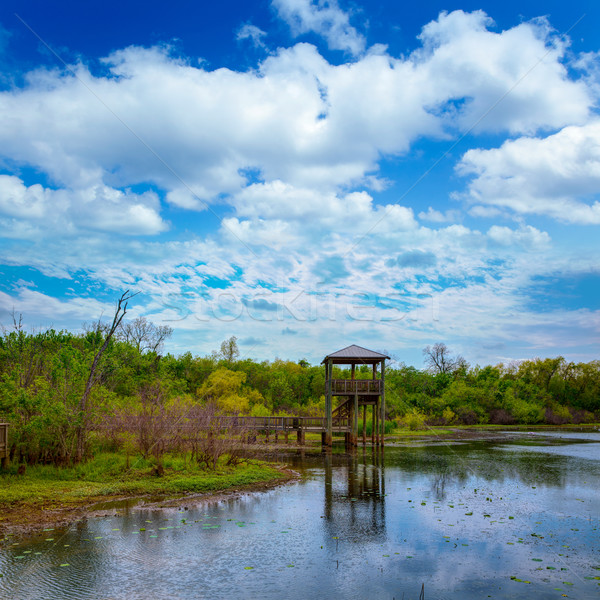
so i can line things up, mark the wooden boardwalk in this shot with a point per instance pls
(308, 424)
(190, 426)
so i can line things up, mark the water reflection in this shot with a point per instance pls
(466, 520)
(355, 497)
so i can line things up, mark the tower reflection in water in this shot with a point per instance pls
(354, 495)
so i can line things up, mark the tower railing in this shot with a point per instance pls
(344, 387)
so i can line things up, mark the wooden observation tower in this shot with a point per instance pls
(355, 394)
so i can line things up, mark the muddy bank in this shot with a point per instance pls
(24, 519)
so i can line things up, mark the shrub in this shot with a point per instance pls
(500, 416)
(557, 415)
(449, 416)
(414, 420)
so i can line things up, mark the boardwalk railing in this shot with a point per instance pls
(234, 424)
(343, 387)
(281, 423)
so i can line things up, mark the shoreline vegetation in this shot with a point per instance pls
(61, 391)
(102, 413)
(42, 496)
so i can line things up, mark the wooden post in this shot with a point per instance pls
(364, 436)
(373, 423)
(383, 402)
(355, 419)
(301, 438)
(378, 422)
(329, 403)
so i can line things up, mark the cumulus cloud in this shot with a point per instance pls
(288, 150)
(436, 216)
(354, 212)
(63, 212)
(323, 17)
(588, 63)
(194, 132)
(483, 80)
(557, 176)
(526, 236)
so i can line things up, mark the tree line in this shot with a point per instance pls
(57, 386)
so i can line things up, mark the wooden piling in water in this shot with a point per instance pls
(364, 435)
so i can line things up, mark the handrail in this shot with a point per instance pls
(352, 386)
(222, 422)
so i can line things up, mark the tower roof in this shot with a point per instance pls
(355, 355)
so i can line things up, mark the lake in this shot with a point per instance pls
(514, 517)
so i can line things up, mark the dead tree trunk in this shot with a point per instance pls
(82, 409)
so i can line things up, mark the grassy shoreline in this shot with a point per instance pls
(46, 494)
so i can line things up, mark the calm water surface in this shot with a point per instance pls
(512, 519)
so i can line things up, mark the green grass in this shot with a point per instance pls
(107, 475)
(406, 432)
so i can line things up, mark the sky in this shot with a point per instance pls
(306, 174)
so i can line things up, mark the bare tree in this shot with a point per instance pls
(229, 349)
(144, 335)
(120, 312)
(439, 360)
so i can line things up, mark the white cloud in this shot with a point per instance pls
(299, 119)
(275, 234)
(53, 311)
(484, 212)
(557, 176)
(526, 236)
(316, 210)
(310, 136)
(253, 33)
(44, 211)
(323, 17)
(466, 69)
(436, 216)
(589, 65)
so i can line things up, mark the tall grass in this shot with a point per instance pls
(389, 427)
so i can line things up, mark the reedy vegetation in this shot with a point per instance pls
(43, 376)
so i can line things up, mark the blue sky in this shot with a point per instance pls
(306, 174)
